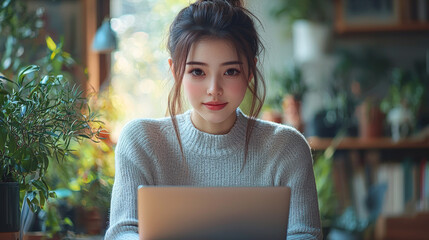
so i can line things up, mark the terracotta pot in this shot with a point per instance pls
(93, 221)
(292, 112)
(371, 120)
(272, 116)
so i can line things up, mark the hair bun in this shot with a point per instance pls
(234, 3)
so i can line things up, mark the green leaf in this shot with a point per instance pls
(40, 186)
(26, 163)
(27, 70)
(54, 53)
(67, 221)
(51, 44)
(52, 194)
(42, 199)
(6, 79)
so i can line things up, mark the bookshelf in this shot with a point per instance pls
(360, 164)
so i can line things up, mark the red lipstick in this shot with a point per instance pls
(215, 106)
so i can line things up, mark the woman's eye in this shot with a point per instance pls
(197, 72)
(232, 72)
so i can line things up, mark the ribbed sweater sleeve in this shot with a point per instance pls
(129, 174)
(304, 220)
(148, 153)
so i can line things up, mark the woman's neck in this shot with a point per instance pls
(213, 128)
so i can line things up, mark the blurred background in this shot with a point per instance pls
(351, 75)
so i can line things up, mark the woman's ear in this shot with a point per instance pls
(251, 75)
(170, 62)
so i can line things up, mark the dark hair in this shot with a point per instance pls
(221, 19)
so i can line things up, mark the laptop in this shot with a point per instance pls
(213, 213)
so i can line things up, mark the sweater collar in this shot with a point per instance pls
(204, 143)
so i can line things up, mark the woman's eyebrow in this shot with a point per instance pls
(232, 63)
(223, 64)
(196, 63)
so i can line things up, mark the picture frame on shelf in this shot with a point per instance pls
(366, 14)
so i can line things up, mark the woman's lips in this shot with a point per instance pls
(215, 105)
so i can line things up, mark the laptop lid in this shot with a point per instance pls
(212, 213)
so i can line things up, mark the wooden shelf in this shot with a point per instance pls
(411, 27)
(349, 143)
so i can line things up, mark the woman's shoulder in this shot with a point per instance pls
(277, 129)
(145, 127)
(279, 134)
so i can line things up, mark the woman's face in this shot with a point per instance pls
(215, 82)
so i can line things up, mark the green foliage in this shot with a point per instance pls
(86, 181)
(291, 82)
(17, 24)
(406, 89)
(40, 116)
(292, 10)
(325, 186)
(89, 178)
(362, 73)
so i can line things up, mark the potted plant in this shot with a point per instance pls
(335, 115)
(365, 72)
(40, 116)
(403, 101)
(84, 185)
(291, 88)
(272, 109)
(308, 20)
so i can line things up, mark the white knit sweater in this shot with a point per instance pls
(148, 153)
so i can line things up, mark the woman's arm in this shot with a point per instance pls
(304, 219)
(129, 174)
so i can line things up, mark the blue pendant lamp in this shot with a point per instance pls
(105, 38)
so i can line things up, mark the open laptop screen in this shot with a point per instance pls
(211, 213)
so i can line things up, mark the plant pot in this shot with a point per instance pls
(310, 40)
(89, 220)
(93, 221)
(272, 116)
(320, 127)
(371, 120)
(401, 122)
(9, 211)
(292, 112)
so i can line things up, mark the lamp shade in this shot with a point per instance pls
(105, 38)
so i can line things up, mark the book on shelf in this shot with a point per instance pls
(415, 11)
(406, 181)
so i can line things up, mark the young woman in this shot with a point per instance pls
(214, 49)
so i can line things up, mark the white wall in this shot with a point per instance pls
(278, 45)
(279, 54)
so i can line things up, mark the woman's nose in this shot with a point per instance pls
(215, 88)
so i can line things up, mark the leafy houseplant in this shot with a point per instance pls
(403, 101)
(365, 72)
(307, 21)
(40, 116)
(291, 88)
(83, 185)
(293, 10)
(292, 83)
(406, 90)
